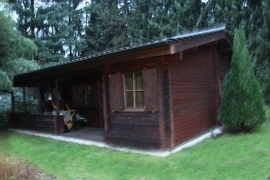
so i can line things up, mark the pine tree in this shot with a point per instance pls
(54, 25)
(242, 108)
(254, 18)
(107, 28)
(260, 49)
(154, 20)
(25, 9)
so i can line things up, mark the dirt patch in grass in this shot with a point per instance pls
(17, 169)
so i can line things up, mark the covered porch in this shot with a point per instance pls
(40, 104)
(94, 134)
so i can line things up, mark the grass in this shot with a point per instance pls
(245, 156)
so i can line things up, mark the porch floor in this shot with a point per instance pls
(94, 134)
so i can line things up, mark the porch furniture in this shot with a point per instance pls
(78, 119)
(68, 115)
(68, 118)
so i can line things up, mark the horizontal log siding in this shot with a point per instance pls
(192, 95)
(38, 122)
(136, 129)
(133, 129)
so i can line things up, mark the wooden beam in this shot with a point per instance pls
(191, 50)
(105, 88)
(91, 62)
(56, 95)
(161, 89)
(225, 50)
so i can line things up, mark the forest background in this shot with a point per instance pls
(39, 33)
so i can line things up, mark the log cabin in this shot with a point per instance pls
(156, 95)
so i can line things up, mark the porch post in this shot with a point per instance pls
(12, 102)
(39, 99)
(161, 89)
(24, 101)
(56, 96)
(105, 86)
(11, 116)
(58, 122)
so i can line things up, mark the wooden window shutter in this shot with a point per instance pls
(150, 90)
(116, 92)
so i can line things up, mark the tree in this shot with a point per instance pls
(254, 18)
(107, 26)
(155, 20)
(25, 10)
(16, 52)
(54, 25)
(242, 108)
(59, 31)
(260, 49)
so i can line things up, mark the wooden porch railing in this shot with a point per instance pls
(46, 123)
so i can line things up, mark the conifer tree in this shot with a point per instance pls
(242, 108)
(155, 20)
(107, 28)
(260, 49)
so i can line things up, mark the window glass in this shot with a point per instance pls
(79, 95)
(85, 94)
(139, 99)
(138, 81)
(129, 99)
(134, 90)
(128, 81)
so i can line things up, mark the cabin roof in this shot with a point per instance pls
(174, 44)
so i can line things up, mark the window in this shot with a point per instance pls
(79, 94)
(134, 90)
(85, 95)
(90, 95)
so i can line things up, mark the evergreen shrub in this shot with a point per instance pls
(242, 108)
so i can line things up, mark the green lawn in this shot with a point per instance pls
(244, 156)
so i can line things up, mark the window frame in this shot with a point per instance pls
(150, 91)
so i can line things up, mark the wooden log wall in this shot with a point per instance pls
(192, 94)
(134, 129)
(41, 123)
